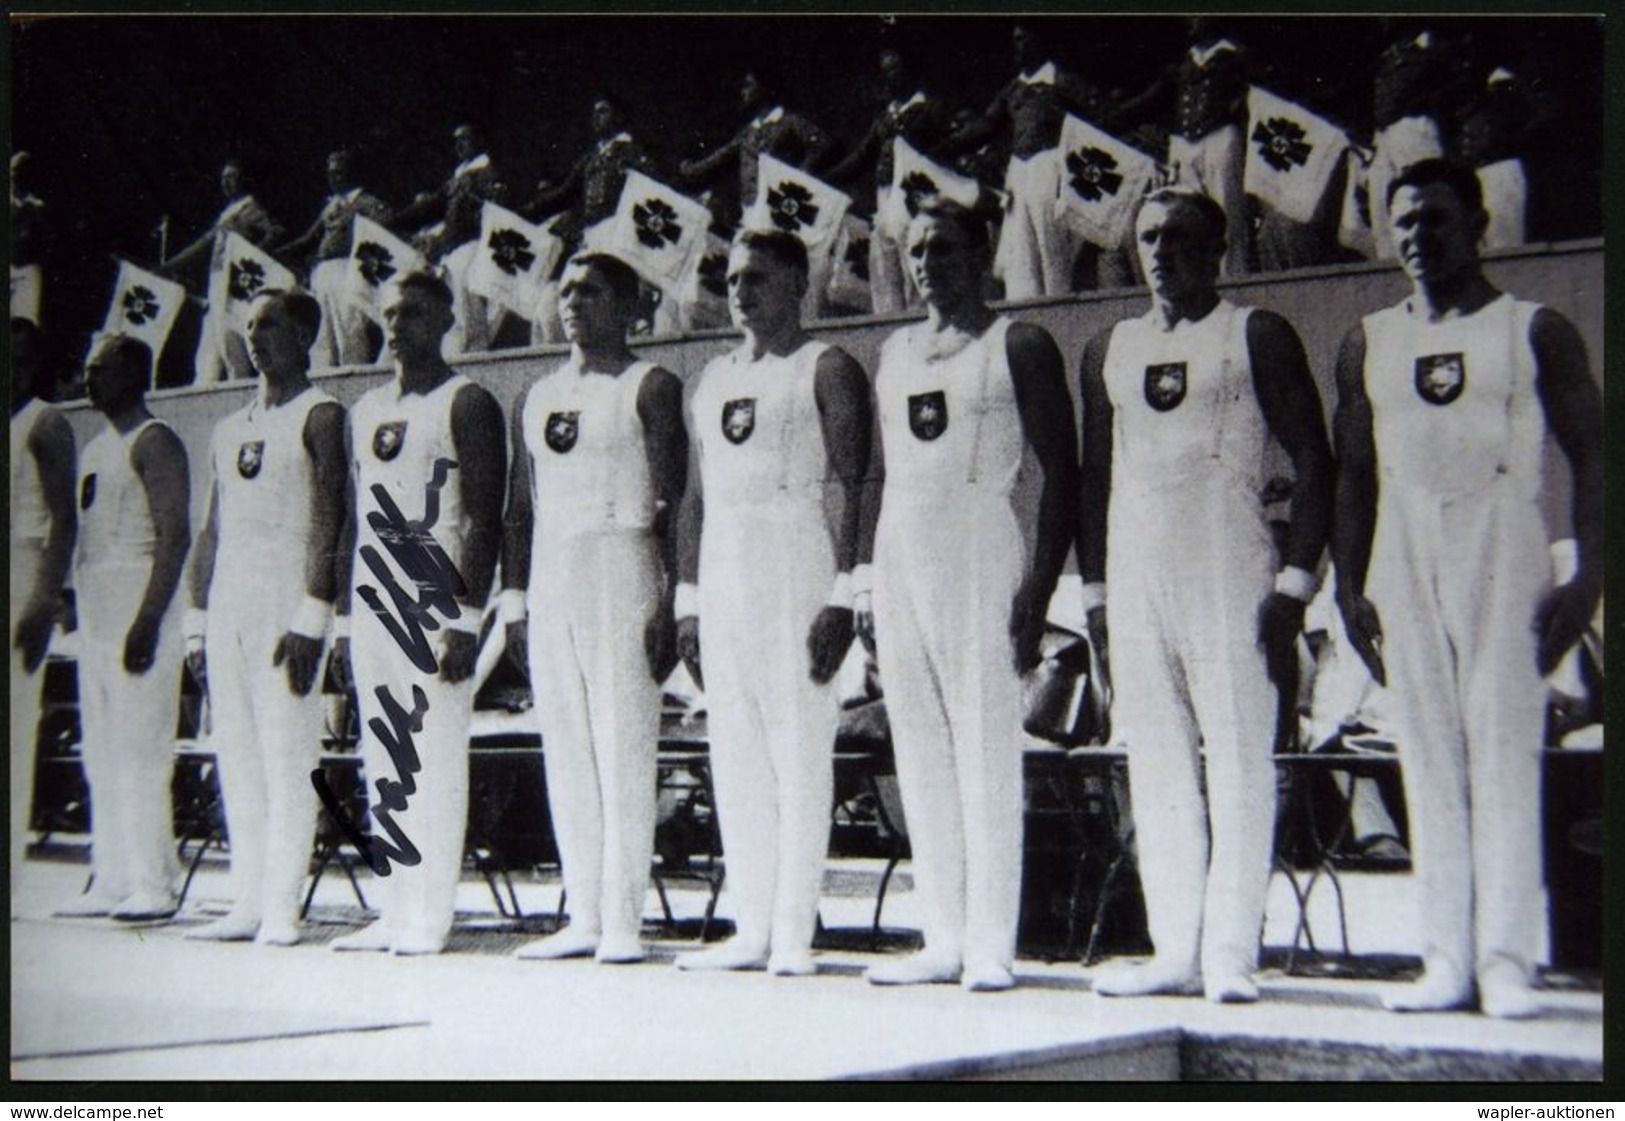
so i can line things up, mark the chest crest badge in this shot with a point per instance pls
(1165, 385)
(87, 491)
(250, 457)
(388, 439)
(1440, 378)
(739, 419)
(928, 414)
(561, 430)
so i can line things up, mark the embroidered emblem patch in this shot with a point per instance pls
(739, 419)
(249, 458)
(387, 441)
(928, 414)
(87, 491)
(1440, 378)
(561, 431)
(1165, 386)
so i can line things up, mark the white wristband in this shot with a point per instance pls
(686, 603)
(1094, 595)
(1297, 583)
(863, 580)
(194, 623)
(840, 592)
(510, 606)
(341, 627)
(310, 619)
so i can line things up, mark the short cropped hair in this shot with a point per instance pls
(301, 307)
(621, 277)
(1210, 212)
(1461, 179)
(427, 283)
(967, 220)
(131, 353)
(785, 248)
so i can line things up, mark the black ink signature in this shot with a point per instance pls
(414, 549)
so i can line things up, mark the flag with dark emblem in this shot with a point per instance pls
(849, 278)
(250, 457)
(655, 229)
(245, 271)
(914, 178)
(703, 299)
(739, 419)
(376, 257)
(514, 261)
(928, 414)
(561, 430)
(144, 306)
(1440, 378)
(1102, 181)
(797, 202)
(388, 438)
(1165, 385)
(1291, 155)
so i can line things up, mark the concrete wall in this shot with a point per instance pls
(1323, 304)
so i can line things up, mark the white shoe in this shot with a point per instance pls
(987, 977)
(566, 943)
(1236, 989)
(277, 934)
(620, 951)
(792, 963)
(1151, 978)
(1435, 992)
(1504, 992)
(728, 956)
(231, 928)
(148, 906)
(417, 945)
(374, 938)
(922, 968)
(91, 905)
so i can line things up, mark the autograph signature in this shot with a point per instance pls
(422, 559)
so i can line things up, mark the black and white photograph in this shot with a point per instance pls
(758, 546)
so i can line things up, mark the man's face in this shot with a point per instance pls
(111, 380)
(1435, 235)
(1026, 47)
(764, 294)
(893, 78)
(945, 265)
(275, 341)
(751, 92)
(605, 120)
(231, 180)
(465, 143)
(414, 322)
(1178, 252)
(338, 174)
(589, 309)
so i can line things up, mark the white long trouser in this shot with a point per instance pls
(471, 326)
(891, 288)
(343, 340)
(1187, 568)
(1506, 200)
(764, 575)
(418, 901)
(1407, 141)
(1456, 585)
(1214, 165)
(600, 717)
(945, 575)
(1035, 248)
(266, 742)
(26, 705)
(128, 723)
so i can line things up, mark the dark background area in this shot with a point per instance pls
(127, 118)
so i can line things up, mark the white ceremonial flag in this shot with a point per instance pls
(913, 178)
(791, 200)
(704, 296)
(1291, 155)
(655, 230)
(1354, 224)
(1102, 181)
(144, 306)
(245, 270)
(514, 260)
(376, 257)
(849, 271)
